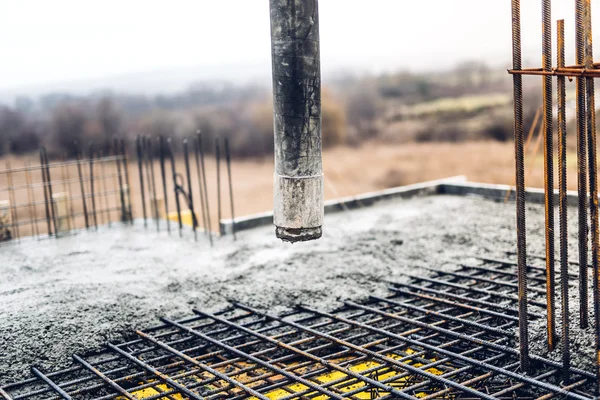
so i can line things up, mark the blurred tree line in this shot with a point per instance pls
(440, 106)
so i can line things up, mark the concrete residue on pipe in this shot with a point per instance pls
(298, 182)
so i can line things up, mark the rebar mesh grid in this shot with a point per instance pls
(57, 198)
(449, 335)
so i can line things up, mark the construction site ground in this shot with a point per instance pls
(59, 297)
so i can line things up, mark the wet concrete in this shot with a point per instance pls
(59, 297)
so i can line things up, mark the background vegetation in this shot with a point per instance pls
(470, 102)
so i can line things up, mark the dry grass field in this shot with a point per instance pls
(348, 171)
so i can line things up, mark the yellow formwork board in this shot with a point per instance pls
(324, 378)
(186, 217)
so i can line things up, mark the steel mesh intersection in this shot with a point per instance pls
(449, 335)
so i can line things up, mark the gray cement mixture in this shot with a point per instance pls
(59, 297)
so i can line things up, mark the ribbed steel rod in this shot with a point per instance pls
(200, 187)
(548, 171)
(138, 147)
(102, 376)
(31, 200)
(50, 193)
(201, 147)
(228, 159)
(161, 150)
(174, 176)
(50, 383)
(92, 188)
(593, 176)
(123, 151)
(562, 186)
(82, 189)
(46, 197)
(150, 160)
(581, 167)
(218, 164)
(520, 187)
(120, 179)
(190, 196)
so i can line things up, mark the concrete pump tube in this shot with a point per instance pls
(298, 185)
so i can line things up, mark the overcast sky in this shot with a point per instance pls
(73, 40)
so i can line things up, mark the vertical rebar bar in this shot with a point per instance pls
(161, 149)
(45, 187)
(228, 160)
(67, 179)
(82, 188)
(548, 171)
(153, 179)
(562, 186)
(201, 145)
(126, 173)
(107, 207)
(31, 199)
(593, 176)
(120, 178)
(190, 195)
(50, 195)
(146, 152)
(138, 147)
(201, 190)
(520, 188)
(175, 184)
(13, 204)
(92, 189)
(581, 167)
(218, 163)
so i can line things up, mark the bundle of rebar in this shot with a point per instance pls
(584, 72)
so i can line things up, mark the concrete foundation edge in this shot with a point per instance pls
(344, 203)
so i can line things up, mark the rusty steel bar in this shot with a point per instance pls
(190, 197)
(30, 199)
(548, 171)
(161, 149)
(201, 190)
(520, 187)
(66, 178)
(155, 372)
(175, 184)
(562, 185)
(49, 183)
(126, 172)
(201, 146)
(581, 166)
(571, 73)
(13, 209)
(50, 383)
(45, 183)
(593, 176)
(82, 189)
(120, 179)
(138, 146)
(228, 159)
(102, 376)
(218, 164)
(152, 179)
(92, 189)
(146, 153)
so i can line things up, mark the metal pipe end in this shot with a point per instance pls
(294, 235)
